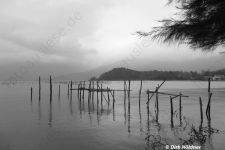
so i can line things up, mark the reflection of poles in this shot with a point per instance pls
(50, 115)
(39, 112)
(141, 130)
(129, 115)
(71, 107)
(89, 111)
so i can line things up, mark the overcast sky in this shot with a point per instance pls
(77, 35)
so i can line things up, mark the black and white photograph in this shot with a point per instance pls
(112, 74)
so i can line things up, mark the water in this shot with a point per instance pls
(74, 124)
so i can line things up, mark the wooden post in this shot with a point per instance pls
(129, 90)
(83, 89)
(31, 93)
(78, 90)
(93, 91)
(39, 88)
(101, 96)
(89, 91)
(200, 102)
(180, 107)
(125, 93)
(157, 99)
(140, 96)
(59, 90)
(71, 87)
(113, 100)
(68, 88)
(208, 106)
(50, 87)
(171, 106)
(97, 89)
(108, 94)
(209, 85)
(148, 101)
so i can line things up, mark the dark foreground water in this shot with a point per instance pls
(70, 123)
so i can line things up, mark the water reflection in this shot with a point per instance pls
(39, 113)
(50, 114)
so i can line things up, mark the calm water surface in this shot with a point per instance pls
(71, 123)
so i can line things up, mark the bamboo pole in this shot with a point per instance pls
(31, 93)
(113, 99)
(171, 106)
(140, 96)
(50, 88)
(97, 89)
(93, 87)
(108, 94)
(80, 88)
(101, 96)
(200, 102)
(89, 91)
(83, 89)
(78, 91)
(39, 88)
(208, 106)
(68, 88)
(59, 90)
(180, 108)
(129, 90)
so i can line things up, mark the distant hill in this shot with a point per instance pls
(128, 74)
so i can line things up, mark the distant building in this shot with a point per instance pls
(219, 77)
(207, 77)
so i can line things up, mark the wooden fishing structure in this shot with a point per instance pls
(108, 94)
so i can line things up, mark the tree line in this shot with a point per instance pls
(128, 74)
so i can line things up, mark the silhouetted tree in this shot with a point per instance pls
(200, 24)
